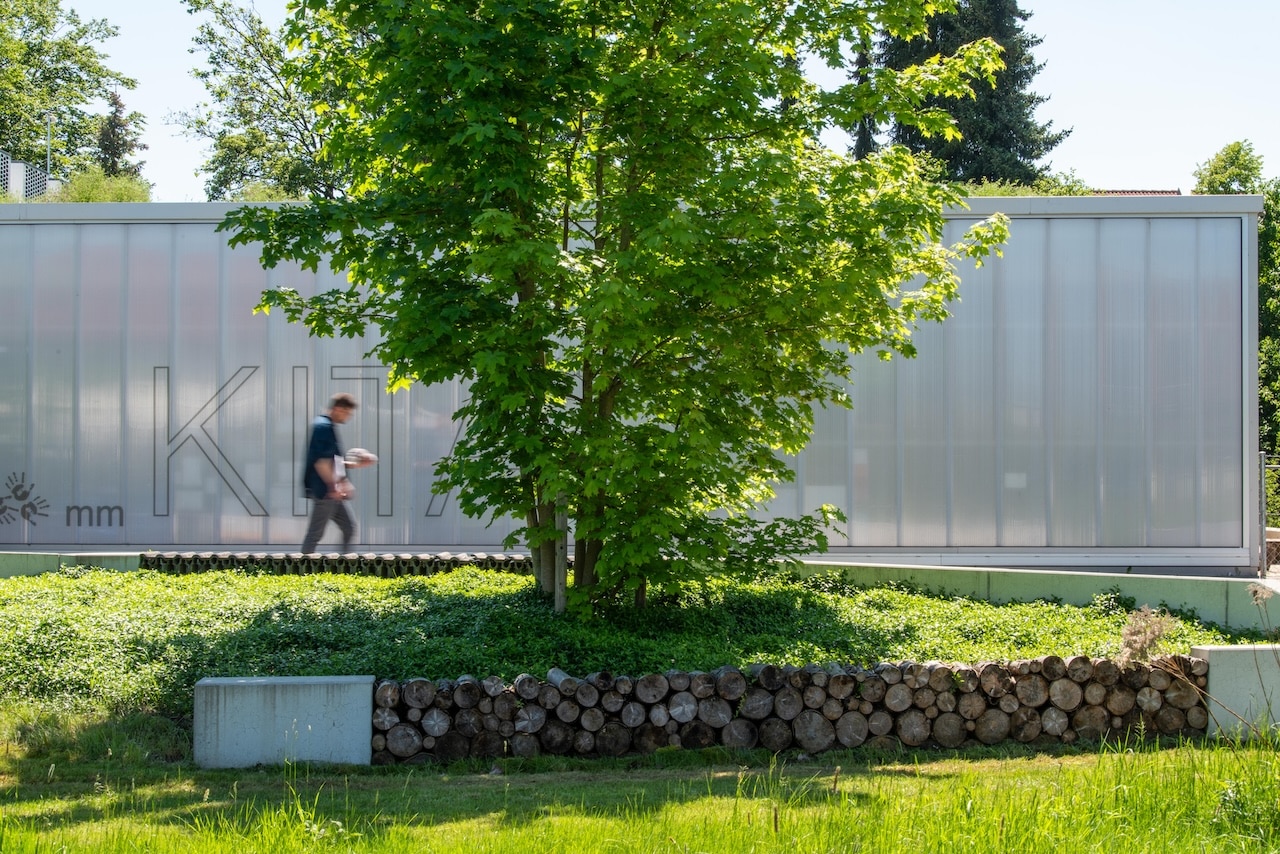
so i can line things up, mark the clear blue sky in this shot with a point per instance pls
(1151, 88)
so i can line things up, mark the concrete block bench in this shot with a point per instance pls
(1244, 687)
(269, 720)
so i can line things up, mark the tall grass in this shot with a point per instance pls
(1219, 797)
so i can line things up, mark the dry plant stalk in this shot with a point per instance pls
(1140, 638)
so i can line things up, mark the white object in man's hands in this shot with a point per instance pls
(359, 457)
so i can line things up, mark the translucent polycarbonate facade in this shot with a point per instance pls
(1092, 400)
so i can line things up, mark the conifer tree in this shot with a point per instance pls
(1000, 139)
(119, 138)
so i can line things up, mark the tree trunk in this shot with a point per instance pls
(505, 705)
(1032, 690)
(992, 727)
(386, 694)
(949, 730)
(651, 688)
(813, 697)
(678, 680)
(757, 704)
(418, 693)
(587, 695)
(701, 685)
(530, 719)
(613, 739)
(1106, 672)
(966, 680)
(584, 742)
(898, 698)
(787, 703)
(775, 734)
(1149, 700)
(767, 676)
(488, 745)
(730, 683)
(568, 711)
(1066, 694)
(1181, 694)
(913, 728)
(384, 718)
(1053, 667)
(714, 712)
(567, 685)
(612, 702)
(879, 722)
(556, 737)
(602, 680)
(525, 745)
(404, 740)
(851, 729)
(468, 722)
(971, 706)
(632, 714)
(696, 735)
(526, 686)
(648, 738)
(941, 678)
(1091, 721)
(1079, 668)
(1120, 699)
(873, 689)
(451, 747)
(813, 732)
(1025, 724)
(467, 692)
(592, 720)
(683, 707)
(740, 734)
(1054, 721)
(840, 686)
(995, 680)
(1170, 720)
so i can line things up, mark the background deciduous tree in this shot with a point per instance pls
(50, 67)
(1238, 169)
(616, 223)
(1000, 139)
(260, 126)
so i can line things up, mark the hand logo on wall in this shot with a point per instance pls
(19, 499)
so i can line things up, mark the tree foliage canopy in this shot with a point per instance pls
(1238, 169)
(119, 138)
(259, 124)
(50, 68)
(615, 222)
(1000, 139)
(94, 185)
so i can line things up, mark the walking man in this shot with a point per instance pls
(324, 476)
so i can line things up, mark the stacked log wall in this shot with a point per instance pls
(813, 708)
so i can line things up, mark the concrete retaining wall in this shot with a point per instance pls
(1226, 601)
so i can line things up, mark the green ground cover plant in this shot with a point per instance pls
(138, 642)
(97, 669)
